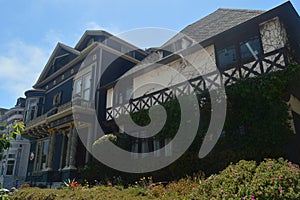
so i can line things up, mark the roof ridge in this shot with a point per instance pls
(241, 9)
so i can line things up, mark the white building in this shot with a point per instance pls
(13, 165)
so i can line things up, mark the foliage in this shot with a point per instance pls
(5, 138)
(270, 179)
(256, 127)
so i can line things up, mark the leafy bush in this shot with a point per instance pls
(271, 179)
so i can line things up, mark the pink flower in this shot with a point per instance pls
(225, 195)
(235, 195)
(273, 176)
(252, 197)
(269, 167)
(279, 177)
(280, 191)
(222, 191)
(237, 177)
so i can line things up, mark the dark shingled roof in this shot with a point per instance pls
(218, 22)
(205, 28)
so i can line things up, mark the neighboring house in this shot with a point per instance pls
(2, 121)
(56, 151)
(13, 166)
(240, 43)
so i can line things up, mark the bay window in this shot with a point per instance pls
(31, 109)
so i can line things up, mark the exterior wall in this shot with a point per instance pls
(273, 35)
(176, 72)
(19, 148)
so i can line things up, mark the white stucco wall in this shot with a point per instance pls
(200, 62)
(273, 35)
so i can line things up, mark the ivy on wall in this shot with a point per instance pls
(256, 124)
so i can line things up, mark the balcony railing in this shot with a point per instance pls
(273, 61)
(48, 114)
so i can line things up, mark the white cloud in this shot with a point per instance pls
(20, 67)
(52, 37)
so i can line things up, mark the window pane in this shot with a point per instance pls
(11, 155)
(86, 94)
(45, 152)
(78, 86)
(250, 48)
(134, 150)
(145, 148)
(87, 81)
(168, 147)
(156, 148)
(31, 109)
(227, 56)
(10, 167)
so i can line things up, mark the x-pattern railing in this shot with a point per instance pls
(273, 61)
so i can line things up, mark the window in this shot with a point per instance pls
(250, 48)
(145, 148)
(82, 90)
(10, 167)
(135, 150)
(57, 99)
(86, 87)
(11, 155)
(168, 147)
(77, 88)
(44, 154)
(241, 51)
(41, 155)
(227, 56)
(156, 148)
(2, 167)
(109, 97)
(31, 109)
(123, 96)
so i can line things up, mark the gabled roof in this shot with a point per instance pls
(208, 27)
(218, 22)
(89, 33)
(55, 54)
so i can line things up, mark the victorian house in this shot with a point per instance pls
(67, 81)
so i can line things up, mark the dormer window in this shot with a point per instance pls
(91, 41)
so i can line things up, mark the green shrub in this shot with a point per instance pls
(271, 179)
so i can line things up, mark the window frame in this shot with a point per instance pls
(220, 45)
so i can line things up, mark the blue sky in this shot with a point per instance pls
(31, 29)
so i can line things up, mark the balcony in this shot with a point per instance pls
(273, 61)
(50, 115)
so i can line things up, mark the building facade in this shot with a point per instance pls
(239, 43)
(14, 160)
(66, 82)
